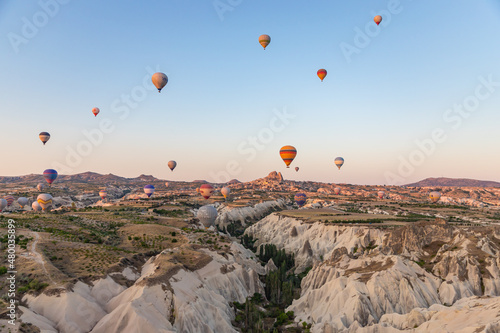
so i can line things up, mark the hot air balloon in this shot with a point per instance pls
(45, 201)
(336, 190)
(149, 190)
(22, 201)
(225, 191)
(10, 199)
(44, 137)
(339, 161)
(207, 215)
(40, 187)
(377, 19)
(381, 194)
(95, 111)
(160, 80)
(172, 165)
(300, 199)
(264, 40)
(197, 190)
(288, 153)
(36, 206)
(435, 196)
(50, 175)
(321, 74)
(206, 190)
(296, 169)
(103, 194)
(166, 184)
(3, 204)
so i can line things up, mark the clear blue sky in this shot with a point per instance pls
(224, 88)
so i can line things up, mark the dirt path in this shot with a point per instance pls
(39, 258)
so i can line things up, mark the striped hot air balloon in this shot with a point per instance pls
(321, 74)
(339, 161)
(287, 154)
(50, 175)
(264, 40)
(10, 200)
(336, 190)
(3, 204)
(22, 201)
(103, 194)
(36, 206)
(44, 137)
(206, 190)
(207, 215)
(434, 196)
(149, 190)
(300, 199)
(45, 201)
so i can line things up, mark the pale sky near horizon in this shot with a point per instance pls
(230, 106)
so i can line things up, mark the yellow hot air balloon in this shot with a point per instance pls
(377, 19)
(160, 80)
(288, 153)
(434, 196)
(264, 40)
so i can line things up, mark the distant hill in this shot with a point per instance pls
(463, 182)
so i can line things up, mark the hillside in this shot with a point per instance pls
(464, 182)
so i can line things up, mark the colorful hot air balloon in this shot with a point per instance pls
(377, 19)
(172, 165)
(336, 190)
(225, 191)
(95, 111)
(207, 215)
(36, 206)
(3, 204)
(339, 161)
(44, 137)
(149, 190)
(381, 194)
(22, 201)
(264, 40)
(321, 74)
(206, 190)
(296, 169)
(10, 199)
(300, 199)
(287, 154)
(45, 201)
(435, 196)
(160, 80)
(50, 175)
(40, 187)
(103, 194)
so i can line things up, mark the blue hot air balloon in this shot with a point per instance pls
(149, 190)
(300, 199)
(50, 175)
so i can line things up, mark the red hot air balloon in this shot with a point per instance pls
(95, 111)
(322, 74)
(206, 190)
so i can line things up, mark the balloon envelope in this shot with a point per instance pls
(336, 190)
(206, 190)
(160, 80)
(3, 204)
(207, 215)
(172, 165)
(10, 199)
(103, 194)
(95, 111)
(166, 184)
(381, 194)
(321, 74)
(45, 201)
(44, 137)
(264, 40)
(435, 196)
(296, 168)
(36, 206)
(50, 175)
(149, 190)
(287, 154)
(377, 19)
(40, 187)
(225, 191)
(339, 161)
(22, 201)
(300, 199)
